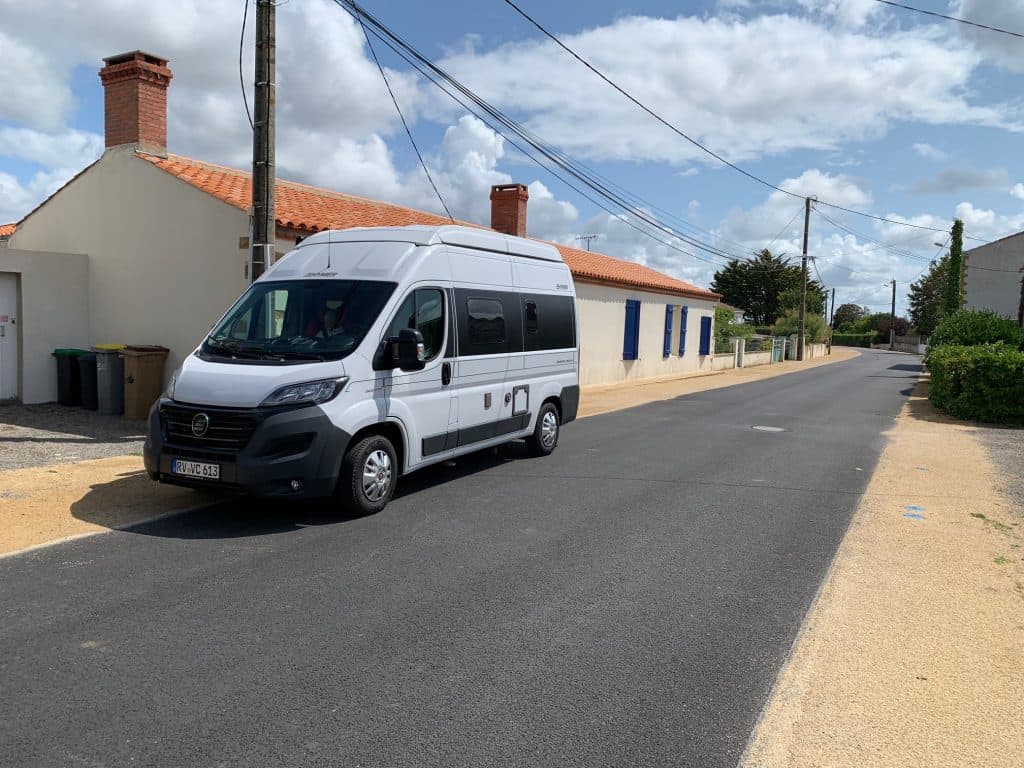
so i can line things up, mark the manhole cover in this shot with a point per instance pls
(761, 428)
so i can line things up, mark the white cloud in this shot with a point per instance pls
(67, 148)
(746, 88)
(1017, 190)
(930, 152)
(1002, 50)
(17, 199)
(691, 171)
(956, 179)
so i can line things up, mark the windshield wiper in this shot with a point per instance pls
(292, 355)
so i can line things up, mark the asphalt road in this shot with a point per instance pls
(627, 601)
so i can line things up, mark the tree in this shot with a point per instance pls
(789, 324)
(848, 313)
(756, 285)
(925, 297)
(726, 327)
(790, 299)
(953, 297)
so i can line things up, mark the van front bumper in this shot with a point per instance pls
(295, 453)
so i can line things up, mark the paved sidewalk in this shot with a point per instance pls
(913, 654)
(41, 504)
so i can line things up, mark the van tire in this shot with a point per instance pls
(358, 491)
(545, 433)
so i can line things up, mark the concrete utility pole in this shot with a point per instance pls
(803, 284)
(892, 318)
(832, 314)
(264, 228)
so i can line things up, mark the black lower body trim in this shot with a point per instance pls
(477, 434)
(570, 403)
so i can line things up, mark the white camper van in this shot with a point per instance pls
(365, 354)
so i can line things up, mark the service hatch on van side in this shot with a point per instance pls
(365, 354)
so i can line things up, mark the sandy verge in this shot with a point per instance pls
(45, 504)
(913, 654)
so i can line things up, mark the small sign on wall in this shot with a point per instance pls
(5, 318)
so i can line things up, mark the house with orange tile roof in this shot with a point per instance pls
(165, 240)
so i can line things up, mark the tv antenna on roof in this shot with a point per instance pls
(588, 238)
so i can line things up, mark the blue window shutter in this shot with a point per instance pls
(631, 337)
(705, 335)
(668, 330)
(682, 330)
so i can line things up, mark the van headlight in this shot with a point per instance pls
(169, 392)
(309, 392)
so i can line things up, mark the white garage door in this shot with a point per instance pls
(8, 336)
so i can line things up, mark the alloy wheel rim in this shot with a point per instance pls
(548, 429)
(377, 475)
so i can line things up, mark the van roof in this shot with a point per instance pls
(449, 234)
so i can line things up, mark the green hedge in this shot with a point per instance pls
(970, 327)
(983, 383)
(853, 339)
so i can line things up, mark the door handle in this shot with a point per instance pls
(446, 374)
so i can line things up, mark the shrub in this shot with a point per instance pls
(853, 339)
(970, 327)
(983, 383)
(814, 326)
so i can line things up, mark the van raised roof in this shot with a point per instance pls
(449, 234)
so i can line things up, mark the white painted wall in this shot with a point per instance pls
(164, 261)
(998, 286)
(602, 311)
(53, 312)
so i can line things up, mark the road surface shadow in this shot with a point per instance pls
(212, 515)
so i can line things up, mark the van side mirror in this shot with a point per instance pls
(409, 352)
(405, 351)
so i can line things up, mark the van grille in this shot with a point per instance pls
(228, 430)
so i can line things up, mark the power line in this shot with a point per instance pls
(950, 18)
(680, 133)
(495, 118)
(640, 104)
(241, 81)
(405, 125)
(798, 212)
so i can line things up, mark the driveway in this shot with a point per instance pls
(626, 601)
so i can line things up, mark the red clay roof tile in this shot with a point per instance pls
(6, 230)
(310, 209)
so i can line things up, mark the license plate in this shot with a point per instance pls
(196, 469)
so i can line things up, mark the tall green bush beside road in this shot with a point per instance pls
(971, 327)
(983, 383)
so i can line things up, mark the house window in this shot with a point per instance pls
(705, 335)
(683, 313)
(631, 335)
(667, 346)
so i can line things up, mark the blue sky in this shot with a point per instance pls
(883, 111)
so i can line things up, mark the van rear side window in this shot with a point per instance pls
(486, 321)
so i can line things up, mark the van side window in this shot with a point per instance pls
(486, 321)
(423, 311)
(532, 321)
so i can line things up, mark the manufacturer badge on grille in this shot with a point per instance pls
(200, 423)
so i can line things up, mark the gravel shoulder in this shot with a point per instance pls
(42, 435)
(913, 653)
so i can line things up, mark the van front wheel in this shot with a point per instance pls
(368, 475)
(545, 434)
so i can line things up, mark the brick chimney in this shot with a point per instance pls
(135, 101)
(508, 208)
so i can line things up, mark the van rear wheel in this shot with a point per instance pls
(545, 434)
(369, 472)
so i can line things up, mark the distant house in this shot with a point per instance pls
(737, 314)
(146, 247)
(994, 277)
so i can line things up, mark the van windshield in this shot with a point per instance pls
(295, 320)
